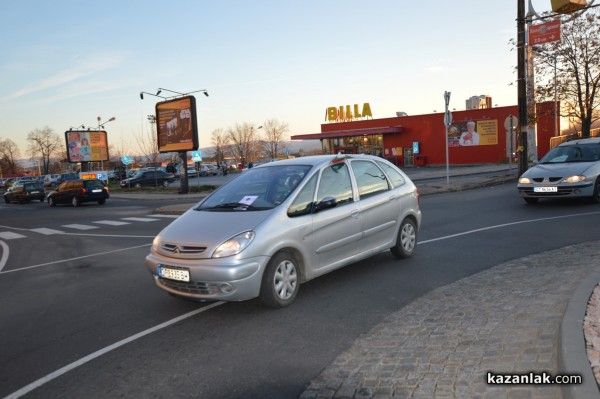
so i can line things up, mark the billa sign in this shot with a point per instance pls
(348, 113)
(544, 33)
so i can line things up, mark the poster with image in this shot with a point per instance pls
(86, 146)
(473, 133)
(176, 125)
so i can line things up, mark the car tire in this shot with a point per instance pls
(281, 281)
(51, 202)
(596, 194)
(165, 183)
(75, 202)
(101, 202)
(531, 200)
(406, 242)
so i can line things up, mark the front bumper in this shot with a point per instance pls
(562, 191)
(226, 279)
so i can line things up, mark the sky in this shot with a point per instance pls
(64, 63)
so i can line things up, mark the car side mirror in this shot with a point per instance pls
(325, 203)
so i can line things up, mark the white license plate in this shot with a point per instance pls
(35, 192)
(545, 189)
(174, 274)
(99, 190)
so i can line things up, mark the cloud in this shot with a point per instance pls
(78, 68)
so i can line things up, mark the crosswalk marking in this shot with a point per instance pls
(9, 235)
(111, 222)
(80, 226)
(47, 232)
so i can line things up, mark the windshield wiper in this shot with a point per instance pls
(231, 205)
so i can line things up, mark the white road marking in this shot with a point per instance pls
(55, 374)
(111, 222)
(4, 257)
(46, 231)
(161, 215)
(9, 235)
(140, 219)
(80, 226)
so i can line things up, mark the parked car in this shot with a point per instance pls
(572, 169)
(192, 172)
(8, 183)
(25, 191)
(281, 224)
(76, 192)
(51, 180)
(150, 178)
(209, 170)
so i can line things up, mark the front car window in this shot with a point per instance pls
(335, 183)
(302, 204)
(369, 178)
(256, 189)
(573, 153)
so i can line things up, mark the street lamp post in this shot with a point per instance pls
(101, 125)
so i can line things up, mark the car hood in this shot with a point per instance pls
(558, 169)
(209, 229)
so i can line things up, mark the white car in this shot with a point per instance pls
(284, 223)
(569, 170)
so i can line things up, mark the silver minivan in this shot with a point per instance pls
(283, 223)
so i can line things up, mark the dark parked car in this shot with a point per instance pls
(25, 191)
(148, 178)
(76, 192)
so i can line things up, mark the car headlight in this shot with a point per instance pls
(155, 243)
(574, 179)
(234, 245)
(525, 180)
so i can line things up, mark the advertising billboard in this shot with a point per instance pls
(473, 133)
(86, 146)
(176, 125)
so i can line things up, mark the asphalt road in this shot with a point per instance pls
(82, 306)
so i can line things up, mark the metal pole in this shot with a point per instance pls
(555, 101)
(521, 88)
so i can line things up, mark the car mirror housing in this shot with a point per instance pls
(325, 203)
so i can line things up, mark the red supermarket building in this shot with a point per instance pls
(420, 139)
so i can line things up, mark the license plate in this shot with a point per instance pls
(35, 192)
(545, 189)
(97, 190)
(174, 274)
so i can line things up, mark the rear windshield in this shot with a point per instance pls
(93, 184)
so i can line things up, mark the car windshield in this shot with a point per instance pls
(256, 189)
(573, 153)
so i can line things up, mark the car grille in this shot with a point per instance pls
(182, 249)
(196, 288)
(549, 179)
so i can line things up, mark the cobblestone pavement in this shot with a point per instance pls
(505, 319)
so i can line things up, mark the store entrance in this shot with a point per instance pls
(409, 159)
(344, 149)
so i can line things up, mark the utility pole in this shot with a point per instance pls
(521, 88)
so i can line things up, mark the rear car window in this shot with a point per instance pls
(93, 184)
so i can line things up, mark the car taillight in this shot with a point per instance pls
(83, 191)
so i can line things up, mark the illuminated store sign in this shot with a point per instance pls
(348, 113)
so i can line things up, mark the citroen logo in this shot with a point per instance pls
(546, 180)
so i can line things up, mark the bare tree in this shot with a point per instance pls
(44, 143)
(147, 142)
(244, 141)
(575, 60)
(9, 151)
(220, 142)
(275, 131)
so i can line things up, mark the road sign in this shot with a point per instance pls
(508, 123)
(197, 156)
(448, 118)
(544, 33)
(126, 160)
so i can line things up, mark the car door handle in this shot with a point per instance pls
(355, 213)
(395, 196)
